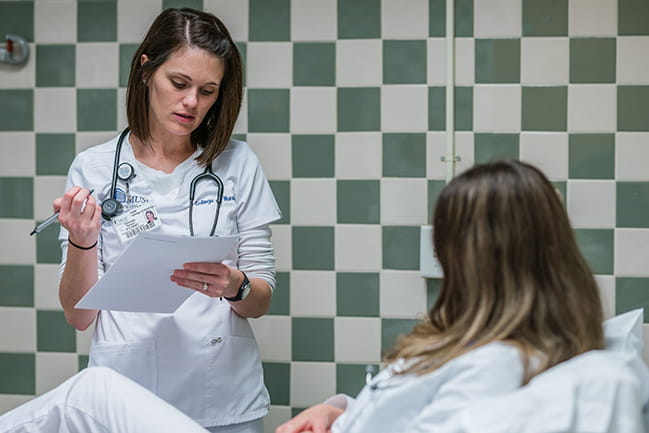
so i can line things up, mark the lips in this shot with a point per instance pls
(184, 117)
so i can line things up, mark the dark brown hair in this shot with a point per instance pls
(171, 31)
(512, 272)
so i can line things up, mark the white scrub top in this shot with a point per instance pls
(408, 403)
(203, 358)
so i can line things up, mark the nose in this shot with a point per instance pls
(191, 98)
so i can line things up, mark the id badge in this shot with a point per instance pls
(136, 220)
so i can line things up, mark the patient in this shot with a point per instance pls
(517, 298)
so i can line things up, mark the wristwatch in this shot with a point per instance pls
(243, 292)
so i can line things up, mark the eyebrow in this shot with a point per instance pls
(187, 77)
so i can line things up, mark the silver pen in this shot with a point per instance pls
(49, 221)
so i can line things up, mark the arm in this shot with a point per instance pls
(316, 419)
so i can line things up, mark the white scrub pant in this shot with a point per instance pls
(98, 400)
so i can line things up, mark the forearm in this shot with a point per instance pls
(257, 302)
(79, 275)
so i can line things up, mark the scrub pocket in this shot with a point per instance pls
(136, 360)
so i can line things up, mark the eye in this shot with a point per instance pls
(178, 84)
(207, 92)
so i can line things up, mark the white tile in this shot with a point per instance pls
(282, 247)
(606, 284)
(545, 61)
(497, 18)
(269, 64)
(314, 20)
(55, 109)
(358, 155)
(46, 287)
(122, 120)
(96, 65)
(17, 329)
(312, 382)
(404, 22)
(273, 334)
(19, 76)
(507, 116)
(592, 108)
(233, 14)
(465, 149)
(591, 203)
(313, 110)
(277, 415)
(10, 401)
(633, 60)
(358, 248)
(464, 61)
(631, 156)
(313, 294)
(52, 369)
(632, 252)
(548, 151)
(592, 18)
(17, 154)
(134, 19)
(436, 61)
(83, 339)
(403, 294)
(404, 108)
(313, 202)
(14, 232)
(274, 153)
(55, 22)
(358, 339)
(404, 201)
(359, 62)
(84, 140)
(46, 189)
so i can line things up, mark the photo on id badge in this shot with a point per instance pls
(136, 220)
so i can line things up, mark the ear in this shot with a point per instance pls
(143, 59)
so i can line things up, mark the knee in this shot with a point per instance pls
(97, 374)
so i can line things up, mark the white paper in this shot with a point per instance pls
(139, 279)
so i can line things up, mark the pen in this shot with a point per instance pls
(48, 221)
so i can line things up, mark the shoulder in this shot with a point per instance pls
(97, 153)
(498, 361)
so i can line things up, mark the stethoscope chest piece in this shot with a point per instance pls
(110, 208)
(125, 172)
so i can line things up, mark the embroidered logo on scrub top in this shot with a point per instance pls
(211, 200)
(130, 200)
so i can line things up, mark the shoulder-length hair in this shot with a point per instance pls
(512, 272)
(171, 31)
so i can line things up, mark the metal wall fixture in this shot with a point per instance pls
(15, 50)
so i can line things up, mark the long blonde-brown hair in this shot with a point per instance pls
(512, 272)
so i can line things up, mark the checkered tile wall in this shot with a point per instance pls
(345, 106)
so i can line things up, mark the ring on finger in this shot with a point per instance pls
(204, 287)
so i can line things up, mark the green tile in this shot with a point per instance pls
(240, 137)
(18, 373)
(632, 18)
(313, 155)
(357, 294)
(277, 378)
(401, 247)
(562, 187)
(55, 65)
(404, 155)
(350, 378)
(633, 108)
(96, 20)
(82, 361)
(591, 156)
(434, 188)
(492, 147)
(17, 17)
(392, 329)
(497, 61)
(282, 192)
(54, 153)
(632, 204)
(463, 18)
(313, 248)
(243, 52)
(17, 196)
(96, 109)
(544, 108)
(17, 286)
(596, 246)
(404, 62)
(296, 410)
(268, 110)
(358, 201)
(313, 339)
(194, 4)
(433, 286)
(632, 293)
(280, 302)
(545, 18)
(592, 60)
(48, 247)
(359, 19)
(126, 53)
(54, 334)
(314, 64)
(463, 108)
(359, 109)
(17, 110)
(269, 20)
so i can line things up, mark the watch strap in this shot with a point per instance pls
(244, 289)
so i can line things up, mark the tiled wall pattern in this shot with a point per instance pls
(345, 106)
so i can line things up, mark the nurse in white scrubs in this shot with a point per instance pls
(183, 98)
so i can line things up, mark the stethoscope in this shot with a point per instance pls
(110, 208)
